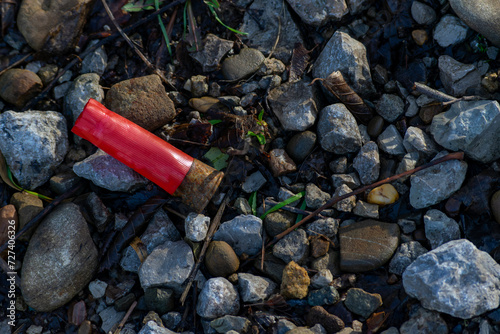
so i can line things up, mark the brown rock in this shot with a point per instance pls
(27, 206)
(367, 245)
(295, 281)
(319, 246)
(420, 36)
(221, 260)
(60, 261)
(8, 222)
(18, 86)
(280, 163)
(318, 315)
(54, 25)
(330, 261)
(85, 327)
(143, 101)
(495, 206)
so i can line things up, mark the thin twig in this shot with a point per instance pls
(45, 211)
(213, 228)
(98, 45)
(451, 156)
(125, 318)
(132, 45)
(445, 99)
(20, 61)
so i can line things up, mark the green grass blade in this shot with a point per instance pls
(252, 200)
(163, 30)
(16, 186)
(302, 207)
(282, 204)
(214, 13)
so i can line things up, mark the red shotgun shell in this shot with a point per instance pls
(147, 154)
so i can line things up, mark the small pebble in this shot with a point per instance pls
(295, 281)
(383, 195)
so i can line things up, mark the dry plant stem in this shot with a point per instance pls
(98, 45)
(125, 318)
(136, 50)
(211, 231)
(451, 156)
(445, 99)
(20, 61)
(46, 211)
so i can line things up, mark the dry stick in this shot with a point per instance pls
(451, 156)
(125, 318)
(46, 211)
(20, 61)
(445, 99)
(98, 45)
(213, 228)
(136, 50)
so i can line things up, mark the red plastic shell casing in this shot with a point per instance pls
(132, 145)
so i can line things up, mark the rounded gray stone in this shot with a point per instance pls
(450, 31)
(83, 88)
(60, 261)
(301, 145)
(243, 64)
(292, 247)
(255, 289)
(439, 228)
(422, 13)
(390, 107)
(243, 233)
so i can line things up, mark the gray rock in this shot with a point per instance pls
(321, 279)
(407, 225)
(242, 206)
(97, 288)
(159, 300)
(339, 165)
(411, 106)
(169, 265)
(450, 31)
(416, 140)
(356, 6)
(33, 143)
(367, 163)
(390, 107)
(422, 13)
(337, 130)
(96, 61)
(365, 137)
(242, 65)
(405, 255)
(324, 296)
(217, 299)
(456, 278)
(271, 81)
(330, 261)
(196, 226)
(319, 12)
(255, 289)
(425, 322)
(409, 161)
(284, 326)
(243, 233)
(347, 55)
(481, 16)
(214, 49)
(432, 185)
(171, 319)
(151, 327)
(230, 324)
(107, 172)
(392, 330)
(271, 66)
(327, 227)
(263, 27)
(295, 105)
(315, 197)
(472, 127)
(366, 210)
(61, 90)
(292, 247)
(253, 182)
(458, 78)
(301, 145)
(279, 221)
(110, 317)
(60, 261)
(345, 205)
(99, 214)
(197, 85)
(439, 228)
(159, 230)
(361, 302)
(351, 180)
(391, 142)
